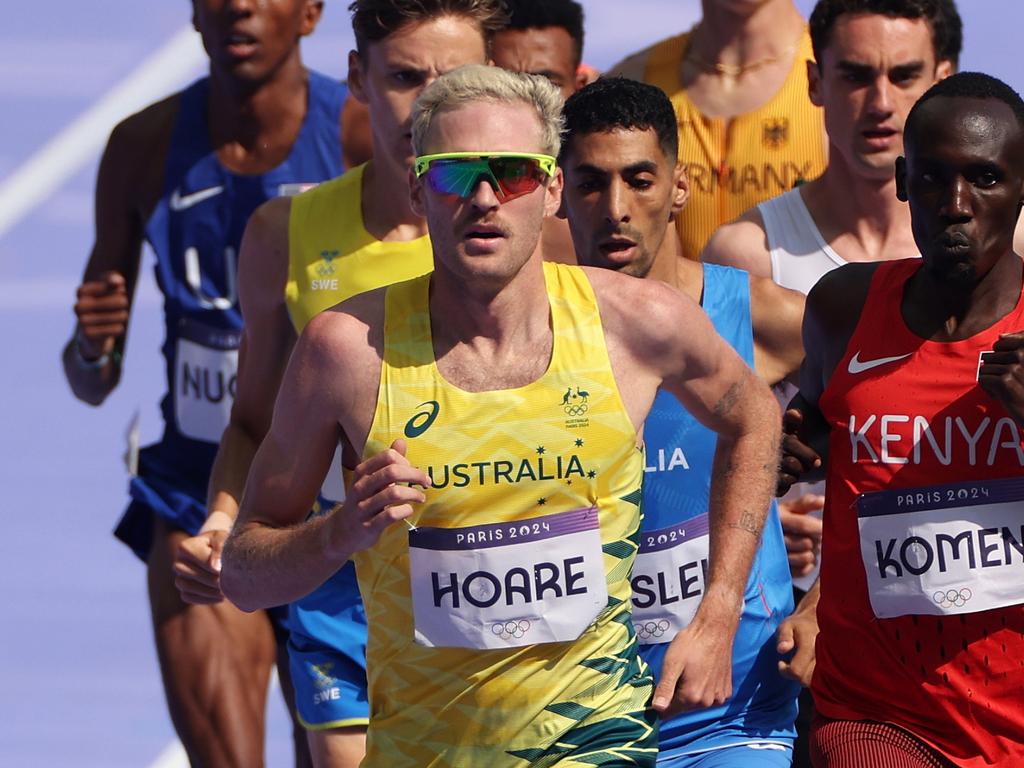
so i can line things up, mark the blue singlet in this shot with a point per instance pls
(195, 231)
(668, 578)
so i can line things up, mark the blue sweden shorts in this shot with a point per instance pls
(758, 755)
(327, 654)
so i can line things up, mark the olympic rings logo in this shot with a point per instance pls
(576, 410)
(651, 629)
(953, 598)
(511, 630)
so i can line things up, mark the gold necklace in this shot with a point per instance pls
(734, 70)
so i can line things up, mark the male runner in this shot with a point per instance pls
(184, 175)
(497, 406)
(545, 37)
(623, 188)
(874, 60)
(300, 256)
(747, 132)
(914, 376)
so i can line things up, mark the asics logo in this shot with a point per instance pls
(422, 420)
(859, 366)
(181, 202)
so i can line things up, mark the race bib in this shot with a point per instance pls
(205, 370)
(668, 579)
(944, 549)
(505, 585)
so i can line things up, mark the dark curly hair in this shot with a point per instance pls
(614, 103)
(941, 15)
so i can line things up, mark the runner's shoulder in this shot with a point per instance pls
(741, 243)
(619, 296)
(835, 302)
(846, 286)
(135, 157)
(143, 134)
(351, 325)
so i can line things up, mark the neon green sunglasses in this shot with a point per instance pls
(510, 174)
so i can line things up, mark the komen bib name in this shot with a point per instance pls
(944, 549)
(503, 585)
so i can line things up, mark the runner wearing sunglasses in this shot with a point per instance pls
(498, 405)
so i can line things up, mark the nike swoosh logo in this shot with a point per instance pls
(859, 366)
(179, 203)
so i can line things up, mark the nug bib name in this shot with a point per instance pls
(206, 369)
(503, 585)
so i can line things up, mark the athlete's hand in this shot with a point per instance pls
(697, 671)
(797, 635)
(197, 568)
(1002, 373)
(102, 311)
(383, 490)
(802, 532)
(798, 458)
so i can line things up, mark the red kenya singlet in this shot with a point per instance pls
(921, 618)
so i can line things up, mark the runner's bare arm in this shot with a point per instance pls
(329, 390)
(776, 315)
(830, 316)
(127, 188)
(678, 345)
(267, 341)
(741, 243)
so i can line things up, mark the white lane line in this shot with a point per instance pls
(44, 172)
(174, 755)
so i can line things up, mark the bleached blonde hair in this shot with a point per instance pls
(477, 82)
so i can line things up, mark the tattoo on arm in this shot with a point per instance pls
(748, 522)
(724, 406)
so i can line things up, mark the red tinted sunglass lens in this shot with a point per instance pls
(516, 175)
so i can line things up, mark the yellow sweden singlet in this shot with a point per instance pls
(737, 163)
(532, 486)
(332, 256)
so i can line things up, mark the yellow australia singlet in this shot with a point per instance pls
(499, 629)
(331, 256)
(734, 164)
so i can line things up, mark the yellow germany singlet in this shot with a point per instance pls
(331, 256)
(734, 164)
(499, 629)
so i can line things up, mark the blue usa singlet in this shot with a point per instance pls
(195, 231)
(669, 574)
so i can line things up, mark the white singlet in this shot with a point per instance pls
(799, 254)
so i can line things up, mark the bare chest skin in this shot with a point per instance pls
(485, 370)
